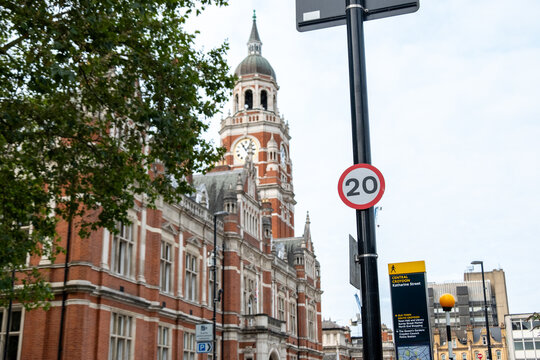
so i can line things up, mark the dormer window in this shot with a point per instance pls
(264, 100)
(248, 100)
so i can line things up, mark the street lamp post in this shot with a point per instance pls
(485, 308)
(447, 302)
(214, 284)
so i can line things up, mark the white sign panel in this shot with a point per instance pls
(203, 332)
(361, 186)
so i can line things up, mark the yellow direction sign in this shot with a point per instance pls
(407, 267)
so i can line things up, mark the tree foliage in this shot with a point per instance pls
(94, 94)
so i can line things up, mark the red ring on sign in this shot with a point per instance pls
(371, 203)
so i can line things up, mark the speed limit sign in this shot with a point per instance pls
(361, 186)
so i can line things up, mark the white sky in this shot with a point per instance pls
(454, 101)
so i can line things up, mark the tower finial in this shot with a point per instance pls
(254, 42)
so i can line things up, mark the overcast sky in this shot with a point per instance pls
(454, 106)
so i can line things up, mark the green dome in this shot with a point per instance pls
(255, 64)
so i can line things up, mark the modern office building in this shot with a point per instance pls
(523, 336)
(140, 293)
(469, 308)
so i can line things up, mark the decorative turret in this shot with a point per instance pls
(257, 137)
(307, 234)
(254, 42)
(254, 63)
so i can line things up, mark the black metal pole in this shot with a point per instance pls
(8, 325)
(214, 267)
(365, 219)
(486, 313)
(64, 292)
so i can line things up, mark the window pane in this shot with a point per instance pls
(529, 345)
(13, 345)
(16, 320)
(518, 345)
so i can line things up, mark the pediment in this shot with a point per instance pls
(193, 240)
(169, 227)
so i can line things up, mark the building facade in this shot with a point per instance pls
(473, 346)
(469, 308)
(139, 293)
(467, 317)
(338, 344)
(523, 336)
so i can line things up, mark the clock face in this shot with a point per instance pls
(244, 147)
(283, 154)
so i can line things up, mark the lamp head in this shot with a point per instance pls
(447, 301)
(221, 213)
(477, 262)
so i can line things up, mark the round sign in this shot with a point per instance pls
(479, 356)
(361, 186)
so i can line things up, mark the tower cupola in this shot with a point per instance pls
(254, 63)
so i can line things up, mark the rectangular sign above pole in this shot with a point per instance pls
(320, 14)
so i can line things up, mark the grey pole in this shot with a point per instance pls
(365, 219)
(449, 336)
(485, 308)
(214, 284)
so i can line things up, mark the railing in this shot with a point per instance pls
(264, 322)
(198, 210)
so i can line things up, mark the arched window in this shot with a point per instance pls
(274, 103)
(248, 99)
(236, 103)
(264, 100)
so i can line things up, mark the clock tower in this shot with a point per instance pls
(256, 132)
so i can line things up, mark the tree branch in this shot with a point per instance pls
(5, 48)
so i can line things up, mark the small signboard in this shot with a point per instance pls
(479, 356)
(320, 14)
(361, 186)
(355, 275)
(204, 347)
(203, 332)
(410, 310)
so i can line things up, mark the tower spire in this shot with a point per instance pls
(254, 43)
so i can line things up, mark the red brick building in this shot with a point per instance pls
(141, 293)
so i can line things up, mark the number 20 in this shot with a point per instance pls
(356, 185)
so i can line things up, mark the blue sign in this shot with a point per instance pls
(204, 347)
